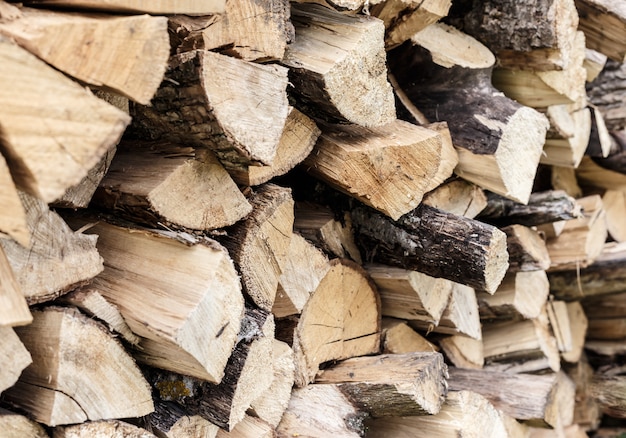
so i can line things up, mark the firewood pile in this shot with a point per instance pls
(263, 218)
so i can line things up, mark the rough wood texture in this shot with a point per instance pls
(459, 197)
(609, 392)
(18, 426)
(249, 427)
(614, 202)
(13, 306)
(13, 219)
(60, 130)
(398, 337)
(239, 112)
(435, 243)
(569, 135)
(170, 420)
(110, 429)
(14, 358)
(193, 7)
(594, 63)
(578, 324)
(463, 352)
(527, 249)
(337, 66)
(596, 18)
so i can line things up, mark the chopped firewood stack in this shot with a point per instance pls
(274, 218)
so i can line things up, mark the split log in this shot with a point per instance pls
(455, 85)
(13, 306)
(193, 7)
(388, 168)
(539, 400)
(436, 243)
(463, 352)
(182, 298)
(564, 178)
(594, 63)
(586, 409)
(569, 136)
(14, 358)
(464, 413)
(238, 112)
(527, 249)
(596, 17)
(60, 130)
(558, 318)
(608, 391)
(57, 260)
(110, 428)
(13, 218)
(578, 324)
(591, 175)
(164, 184)
(398, 338)
(170, 420)
(18, 426)
(391, 385)
(132, 64)
(249, 427)
(87, 368)
(449, 156)
(616, 159)
(459, 197)
(340, 320)
(259, 245)
(614, 202)
(607, 92)
(253, 31)
(607, 316)
(337, 66)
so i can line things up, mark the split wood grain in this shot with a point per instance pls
(15, 357)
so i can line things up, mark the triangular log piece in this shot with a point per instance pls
(521, 295)
(614, 202)
(578, 324)
(410, 295)
(14, 425)
(85, 365)
(463, 352)
(13, 218)
(609, 392)
(337, 66)
(14, 358)
(449, 158)
(320, 411)
(388, 168)
(540, 400)
(57, 260)
(253, 31)
(191, 7)
(459, 197)
(527, 249)
(341, 320)
(435, 243)
(596, 18)
(13, 306)
(236, 108)
(183, 299)
(249, 427)
(564, 178)
(569, 135)
(297, 141)
(398, 338)
(591, 175)
(164, 183)
(109, 428)
(485, 125)
(259, 244)
(594, 63)
(558, 317)
(170, 420)
(464, 413)
(391, 385)
(80, 45)
(60, 130)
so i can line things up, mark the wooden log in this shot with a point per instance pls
(59, 132)
(558, 317)
(18, 426)
(182, 298)
(108, 428)
(87, 365)
(464, 413)
(388, 168)
(249, 427)
(607, 316)
(349, 81)
(463, 352)
(578, 324)
(527, 249)
(564, 178)
(391, 385)
(614, 202)
(194, 7)
(340, 320)
(596, 17)
(259, 245)
(449, 156)
(566, 147)
(15, 357)
(132, 64)
(251, 31)
(436, 243)
(459, 197)
(594, 63)
(239, 113)
(539, 400)
(13, 219)
(398, 337)
(170, 420)
(596, 178)
(484, 124)
(13, 306)
(600, 139)
(164, 184)
(586, 409)
(608, 391)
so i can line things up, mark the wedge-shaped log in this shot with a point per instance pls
(527, 249)
(569, 135)
(16, 426)
(398, 338)
(337, 66)
(592, 174)
(13, 218)
(60, 130)
(459, 197)
(13, 306)
(391, 385)
(133, 63)
(577, 330)
(183, 299)
(596, 18)
(14, 358)
(108, 428)
(174, 185)
(170, 420)
(388, 168)
(600, 139)
(436, 243)
(236, 108)
(86, 367)
(193, 7)
(249, 427)
(486, 127)
(614, 202)
(463, 352)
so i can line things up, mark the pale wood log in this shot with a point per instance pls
(85, 364)
(594, 63)
(259, 244)
(463, 352)
(600, 139)
(614, 202)
(170, 185)
(578, 324)
(464, 413)
(18, 426)
(13, 219)
(486, 125)
(564, 178)
(391, 385)
(521, 295)
(340, 320)
(410, 295)
(132, 64)
(606, 348)
(239, 112)
(449, 156)
(301, 274)
(459, 197)
(337, 66)
(297, 141)
(586, 409)
(398, 338)
(319, 411)
(540, 400)
(432, 241)
(560, 324)
(527, 249)
(514, 428)
(388, 168)
(551, 229)
(596, 18)
(170, 420)
(592, 175)
(109, 428)
(253, 31)
(567, 146)
(57, 260)
(59, 132)
(13, 306)
(193, 7)
(14, 358)
(249, 427)
(607, 92)
(571, 431)
(183, 298)
(613, 329)
(608, 391)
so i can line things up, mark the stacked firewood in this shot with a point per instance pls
(319, 218)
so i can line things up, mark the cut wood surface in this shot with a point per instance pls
(459, 197)
(569, 136)
(609, 392)
(398, 338)
(193, 7)
(13, 306)
(594, 63)
(606, 92)
(578, 324)
(463, 352)
(13, 219)
(600, 139)
(15, 357)
(18, 426)
(527, 249)
(110, 428)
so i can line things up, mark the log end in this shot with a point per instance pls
(496, 261)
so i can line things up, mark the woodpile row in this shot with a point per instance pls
(263, 218)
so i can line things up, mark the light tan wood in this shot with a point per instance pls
(15, 357)
(564, 178)
(110, 428)
(566, 147)
(87, 365)
(463, 352)
(608, 391)
(190, 426)
(193, 7)
(249, 427)
(527, 249)
(552, 229)
(132, 64)
(398, 338)
(614, 202)
(591, 174)
(449, 156)
(594, 63)
(13, 218)
(514, 428)
(578, 324)
(18, 426)
(596, 18)
(559, 322)
(58, 259)
(459, 197)
(587, 411)
(13, 306)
